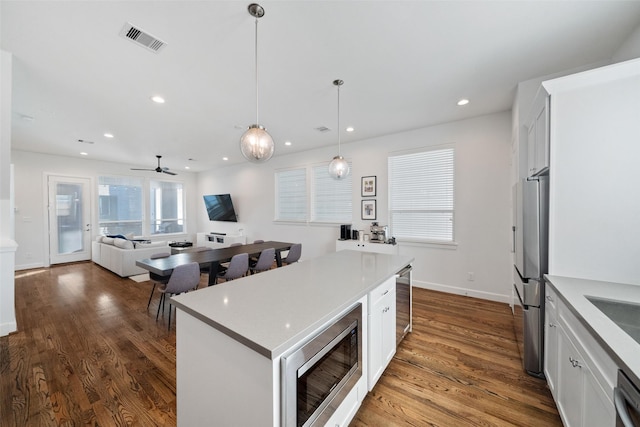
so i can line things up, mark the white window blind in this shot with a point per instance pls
(332, 198)
(291, 195)
(421, 195)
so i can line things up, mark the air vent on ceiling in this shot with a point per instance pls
(322, 129)
(141, 38)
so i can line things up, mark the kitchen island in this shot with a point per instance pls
(230, 337)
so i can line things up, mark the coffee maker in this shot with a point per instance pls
(345, 232)
(379, 233)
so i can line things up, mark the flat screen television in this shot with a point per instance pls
(220, 207)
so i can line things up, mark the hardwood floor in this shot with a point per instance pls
(89, 353)
(459, 367)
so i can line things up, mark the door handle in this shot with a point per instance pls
(620, 398)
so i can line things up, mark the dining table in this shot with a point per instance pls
(210, 258)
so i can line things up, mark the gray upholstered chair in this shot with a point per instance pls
(238, 267)
(184, 278)
(264, 262)
(156, 278)
(293, 255)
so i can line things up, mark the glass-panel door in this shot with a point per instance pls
(69, 219)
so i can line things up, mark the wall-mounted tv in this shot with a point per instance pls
(220, 207)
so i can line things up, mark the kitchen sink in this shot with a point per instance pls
(624, 314)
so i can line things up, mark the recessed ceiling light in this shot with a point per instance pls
(157, 99)
(187, 167)
(350, 129)
(463, 102)
(225, 158)
(108, 135)
(287, 143)
(84, 154)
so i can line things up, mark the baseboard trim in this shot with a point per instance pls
(462, 291)
(29, 266)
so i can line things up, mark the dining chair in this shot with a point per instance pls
(156, 278)
(294, 254)
(264, 262)
(238, 267)
(254, 259)
(184, 278)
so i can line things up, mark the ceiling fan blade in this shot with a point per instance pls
(137, 169)
(168, 172)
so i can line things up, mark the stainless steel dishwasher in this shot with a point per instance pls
(404, 298)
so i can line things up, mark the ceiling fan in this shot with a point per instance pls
(158, 169)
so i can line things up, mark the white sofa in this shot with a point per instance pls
(120, 255)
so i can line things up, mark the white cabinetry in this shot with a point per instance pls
(357, 245)
(382, 329)
(579, 372)
(551, 340)
(213, 240)
(538, 134)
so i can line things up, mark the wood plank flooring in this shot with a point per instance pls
(459, 367)
(89, 353)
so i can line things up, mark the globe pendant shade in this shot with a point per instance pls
(256, 144)
(338, 168)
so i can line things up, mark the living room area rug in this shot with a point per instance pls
(140, 277)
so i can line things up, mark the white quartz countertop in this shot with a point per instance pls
(273, 311)
(620, 346)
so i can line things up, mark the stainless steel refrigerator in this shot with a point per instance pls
(531, 238)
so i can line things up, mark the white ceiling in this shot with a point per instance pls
(405, 65)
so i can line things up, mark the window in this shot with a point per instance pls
(120, 205)
(291, 195)
(332, 198)
(324, 200)
(421, 195)
(166, 207)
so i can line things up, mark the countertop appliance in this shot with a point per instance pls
(531, 237)
(626, 398)
(379, 233)
(345, 232)
(403, 303)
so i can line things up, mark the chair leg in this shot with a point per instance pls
(169, 323)
(152, 289)
(160, 303)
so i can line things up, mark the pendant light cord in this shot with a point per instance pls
(256, 59)
(338, 119)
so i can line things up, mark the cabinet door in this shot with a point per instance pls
(531, 150)
(388, 346)
(542, 137)
(381, 329)
(538, 134)
(569, 386)
(551, 349)
(598, 409)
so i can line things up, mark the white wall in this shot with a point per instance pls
(630, 49)
(595, 179)
(483, 221)
(31, 219)
(7, 244)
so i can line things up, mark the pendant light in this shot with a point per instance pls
(256, 144)
(339, 167)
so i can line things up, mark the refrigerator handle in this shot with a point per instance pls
(513, 238)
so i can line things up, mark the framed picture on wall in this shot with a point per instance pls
(368, 186)
(369, 209)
